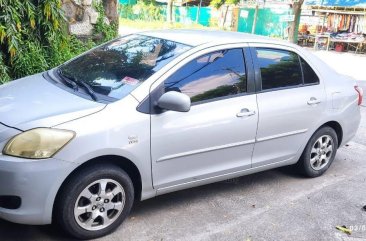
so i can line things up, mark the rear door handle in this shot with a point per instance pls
(245, 112)
(313, 101)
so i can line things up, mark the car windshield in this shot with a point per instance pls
(118, 67)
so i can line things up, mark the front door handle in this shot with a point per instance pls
(313, 101)
(245, 112)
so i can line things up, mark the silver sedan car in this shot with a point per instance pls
(156, 112)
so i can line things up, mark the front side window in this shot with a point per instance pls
(218, 74)
(118, 67)
(279, 68)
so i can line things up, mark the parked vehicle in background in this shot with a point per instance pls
(160, 111)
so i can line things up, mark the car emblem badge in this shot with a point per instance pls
(132, 139)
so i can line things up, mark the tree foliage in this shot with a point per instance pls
(34, 37)
(4, 76)
(108, 31)
(218, 3)
(28, 20)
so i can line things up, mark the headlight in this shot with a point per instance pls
(38, 143)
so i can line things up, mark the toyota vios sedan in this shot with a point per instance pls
(160, 111)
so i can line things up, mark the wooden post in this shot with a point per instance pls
(255, 18)
(198, 12)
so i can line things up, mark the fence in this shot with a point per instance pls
(189, 15)
(148, 12)
(271, 20)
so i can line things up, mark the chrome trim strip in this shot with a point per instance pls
(189, 153)
(281, 135)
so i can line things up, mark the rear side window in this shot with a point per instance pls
(310, 76)
(215, 75)
(279, 68)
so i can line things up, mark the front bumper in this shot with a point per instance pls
(36, 182)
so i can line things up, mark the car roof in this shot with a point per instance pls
(199, 37)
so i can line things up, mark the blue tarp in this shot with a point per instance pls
(337, 3)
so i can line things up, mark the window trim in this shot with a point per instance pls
(258, 75)
(222, 97)
(147, 105)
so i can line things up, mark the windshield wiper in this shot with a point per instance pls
(88, 89)
(74, 83)
(68, 81)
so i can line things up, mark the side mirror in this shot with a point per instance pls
(175, 101)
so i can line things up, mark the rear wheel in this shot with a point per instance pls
(94, 202)
(319, 153)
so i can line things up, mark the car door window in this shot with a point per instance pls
(310, 77)
(279, 68)
(215, 75)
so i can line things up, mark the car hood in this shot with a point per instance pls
(35, 102)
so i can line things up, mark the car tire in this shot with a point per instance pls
(85, 211)
(319, 153)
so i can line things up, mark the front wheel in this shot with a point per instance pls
(94, 202)
(319, 153)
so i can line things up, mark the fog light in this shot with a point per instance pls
(10, 202)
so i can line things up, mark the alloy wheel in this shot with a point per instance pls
(321, 152)
(99, 204)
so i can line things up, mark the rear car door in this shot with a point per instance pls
(217, 135)
(290, 100)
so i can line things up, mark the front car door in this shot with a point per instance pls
(217, 135)
(290, 100)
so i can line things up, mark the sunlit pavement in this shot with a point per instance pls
(273, 205)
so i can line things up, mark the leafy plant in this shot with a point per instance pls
(34, 37)
(4, 75)
(125, 11)
(64, 49)
(30, 59)
(143, 10)
(109, 31)
(26, 28)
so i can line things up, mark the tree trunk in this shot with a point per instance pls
(111, 10)
(169, 11)
(295, 24)
(225, 16)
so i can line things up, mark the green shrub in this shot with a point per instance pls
(30, 59)
(34, 37)
(4, 75)
(27, 28)
(125, 11)
(143, 10)
(66, 48)
(108, 31)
